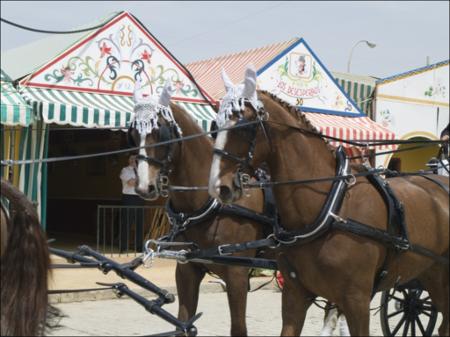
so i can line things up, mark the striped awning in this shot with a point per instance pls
(202, 113)
(359, 88)
(208, 72)
(350, 128)
(96, 110)
(14, 109)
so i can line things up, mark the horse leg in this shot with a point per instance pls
(330, 322)
(188, 277)
(356, 308)
(343, 326)
(436, 283)
(295, 300)
(237, 289)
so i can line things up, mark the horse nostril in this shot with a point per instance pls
(151, 188)
(225, 193)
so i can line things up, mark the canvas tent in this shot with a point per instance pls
(90, 83)
(359, 88)
(22, 137)
(14, 109)
(293, 72)
(80, 82)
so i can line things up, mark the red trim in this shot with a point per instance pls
(26, 81)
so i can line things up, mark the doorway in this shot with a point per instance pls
(75, 188)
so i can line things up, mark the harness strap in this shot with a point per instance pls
(150, 160)
(228, 249)
(228, 155)
(396, 224)
(437, 182)
(399, 243)
(242, 212)
(242, 261)
(328, 212)
(183, 219)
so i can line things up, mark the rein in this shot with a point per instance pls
(11, 162)
(360, 143)
(387, 172)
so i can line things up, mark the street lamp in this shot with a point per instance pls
(370, 44)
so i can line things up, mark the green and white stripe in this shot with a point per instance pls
(96, 110)
(80, 108)
(358, 88)
(202, 113)
(33, 145)
(360, 93)
(14, 109)
(31, 178)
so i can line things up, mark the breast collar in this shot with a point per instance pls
(181, 221)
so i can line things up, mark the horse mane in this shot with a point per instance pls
(189, 125)
(25, 310)
(300, 116)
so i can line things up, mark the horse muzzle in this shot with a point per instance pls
(153, 191)
(150, 193)
(227, 190)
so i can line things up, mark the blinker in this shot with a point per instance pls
(164, 133)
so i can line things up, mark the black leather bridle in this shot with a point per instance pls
(166, 133)
(245, 164)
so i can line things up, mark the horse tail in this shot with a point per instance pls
(24, 269)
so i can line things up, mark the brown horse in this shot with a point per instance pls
(188, 165)
(337, 265)
(24, 268)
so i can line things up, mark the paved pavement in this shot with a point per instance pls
(123, 317)
(97, 314)
(162, 273)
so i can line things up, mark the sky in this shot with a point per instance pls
(405, 33)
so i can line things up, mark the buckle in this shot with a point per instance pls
(149, 257)
(244, 179)
(403, 245)
(274, 238)
(337, 218)
(163, 186)
(220, 250)
(350, 180)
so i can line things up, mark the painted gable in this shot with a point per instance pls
(299, 77)
(109, 60)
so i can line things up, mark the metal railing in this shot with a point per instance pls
(124, 229)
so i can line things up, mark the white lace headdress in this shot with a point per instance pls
(147, 110)
(235, 95)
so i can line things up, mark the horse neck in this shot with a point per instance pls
(191, 166)
(299, 156)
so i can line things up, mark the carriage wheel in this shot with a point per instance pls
(407, 311)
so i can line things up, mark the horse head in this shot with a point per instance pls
(153, 123)
(242, 111)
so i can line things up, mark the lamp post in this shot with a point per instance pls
(370, 44)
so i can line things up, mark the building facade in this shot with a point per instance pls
(415, 105)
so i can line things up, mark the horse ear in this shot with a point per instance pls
(226, 81)
(249, 82)
(137, 95)
(166, 94)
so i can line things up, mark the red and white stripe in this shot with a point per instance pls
(351, 128)
(207, 73)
